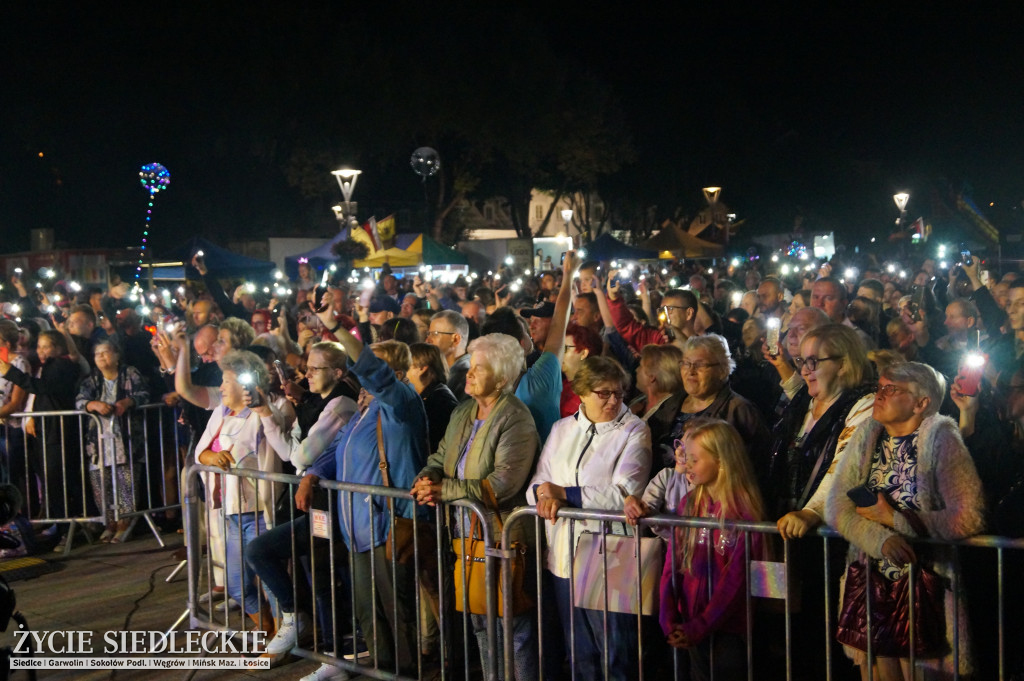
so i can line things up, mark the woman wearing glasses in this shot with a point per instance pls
(836, 397)
(593, 459)
(705, 369)
(916, 465)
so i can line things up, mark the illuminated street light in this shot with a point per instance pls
(347, 178)
(901, 203)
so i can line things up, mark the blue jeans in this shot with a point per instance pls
(588, 626)
(269, 555)
(524, 648)
(240, 578)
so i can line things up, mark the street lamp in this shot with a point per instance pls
(567, 218)
(901, 203)
(711, 196)
(346, 178)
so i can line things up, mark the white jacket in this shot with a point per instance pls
(606, 461)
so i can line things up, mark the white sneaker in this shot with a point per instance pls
(325, 672)
(292, 628)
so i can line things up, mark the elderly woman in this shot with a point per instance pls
(706, 368)
(657, 378)
(429, 376)
(111, 392)
(916, 465)
(234, 439)
(593, 459)
(490, 437)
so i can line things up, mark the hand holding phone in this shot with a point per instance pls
(862, 496)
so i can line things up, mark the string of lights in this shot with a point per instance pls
(154, 178)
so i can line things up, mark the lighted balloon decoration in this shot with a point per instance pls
(425, 162)
(797, 250)
(154, 179)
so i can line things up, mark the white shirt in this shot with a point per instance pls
(606, 461)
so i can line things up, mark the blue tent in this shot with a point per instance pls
(220, 261)
(607, 247)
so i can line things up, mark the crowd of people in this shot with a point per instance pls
(886, 405)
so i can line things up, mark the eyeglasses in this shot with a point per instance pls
(666, 308)
(570, 347)
(811, 362)
(697, 366)
(312, 369)
(606, 395)
(439, 333)
(890, 390)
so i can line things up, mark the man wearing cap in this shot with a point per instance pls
(381, 309)
(540, 322)
(449, 332)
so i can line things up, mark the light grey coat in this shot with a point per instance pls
(948, 489)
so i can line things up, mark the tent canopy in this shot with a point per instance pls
(322, 256)
(607, 247)
(680, 243)
(436, 253)
(221, 261)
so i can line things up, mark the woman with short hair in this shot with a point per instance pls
(595, 458)
(234, 439)
(490, 439)
(915, 463)
(112, 391)
(705, 370)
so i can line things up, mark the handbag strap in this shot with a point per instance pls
(383, 465)
(491, 501)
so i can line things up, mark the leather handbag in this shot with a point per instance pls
(471, 566)
(404, 535)
(619, 552)
(890, 613)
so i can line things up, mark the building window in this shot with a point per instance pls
(488, 213)
(538, 213)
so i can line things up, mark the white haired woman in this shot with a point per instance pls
(595, 458)
(491, 437)
(925, 484)
(234, 438)
(706, 367)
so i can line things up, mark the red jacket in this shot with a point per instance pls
(635, 334)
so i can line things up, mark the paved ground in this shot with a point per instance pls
(112, 587)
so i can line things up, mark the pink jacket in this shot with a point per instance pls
(685, 603)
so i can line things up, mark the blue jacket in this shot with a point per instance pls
(353, 457)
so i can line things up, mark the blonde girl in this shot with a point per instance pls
(724, 488)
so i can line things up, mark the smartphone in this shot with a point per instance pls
(971, 372)
(200, 257)
(773, 336)
(562, 260)
(279, 368)
(248, 381)
(318, 298)
(5, 354)
(965, 254)
(862, 496)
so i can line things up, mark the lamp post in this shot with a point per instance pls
(567, 218)
(346, 178)
(711, 196)
(901, 203)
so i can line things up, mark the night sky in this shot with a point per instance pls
(793, 112)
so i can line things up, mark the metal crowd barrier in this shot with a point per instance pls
(197, 510)
(53, 471)
(766, 579)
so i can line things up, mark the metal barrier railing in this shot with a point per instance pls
(60, 483)
(373, 629)
(777, 575)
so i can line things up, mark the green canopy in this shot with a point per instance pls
(435, 253)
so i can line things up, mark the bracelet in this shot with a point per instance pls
(336, 327)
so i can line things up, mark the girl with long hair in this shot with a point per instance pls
(694, 617)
